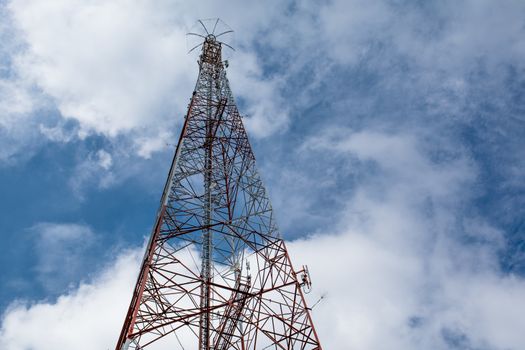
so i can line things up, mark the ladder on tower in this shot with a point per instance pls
(232, 314)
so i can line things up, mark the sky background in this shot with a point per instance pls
(390, 136)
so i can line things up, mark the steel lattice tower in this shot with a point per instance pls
(216, 274)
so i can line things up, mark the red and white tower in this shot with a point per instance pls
(216, 273)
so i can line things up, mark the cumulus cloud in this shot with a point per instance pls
(95, 168)
(19, 134)
(441, 36)
(402, 275)
(121, 68)
(376, 293)
(381, 294)
(408, 264)
(109, 65)
(60, 253)
(94, 308)
(261, 118)
(117, 68)
(396, 270)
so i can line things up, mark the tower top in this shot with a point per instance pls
(211, 35)
(211, 50)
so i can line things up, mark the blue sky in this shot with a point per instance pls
(390, 136)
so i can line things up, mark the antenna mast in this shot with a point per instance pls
(215, 220)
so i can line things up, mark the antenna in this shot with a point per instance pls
(210, 30)
(245, 293)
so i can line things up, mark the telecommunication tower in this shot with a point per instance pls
(216, 274)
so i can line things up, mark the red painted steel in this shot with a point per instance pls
(216, 274)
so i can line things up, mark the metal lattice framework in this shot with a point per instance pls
(216, 274)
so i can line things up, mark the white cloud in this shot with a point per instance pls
(444, 36)
(146, 146)
(95, 168)
(104, 159)
(121, 67)
(19, 134)
(376, 294)
(399, 275)
(395, 270)
(60, 251)
(112, 66)
(56, 133)
(87, 318)
(265, 110)
(396, 273)
(16, 101)
(386, 295)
